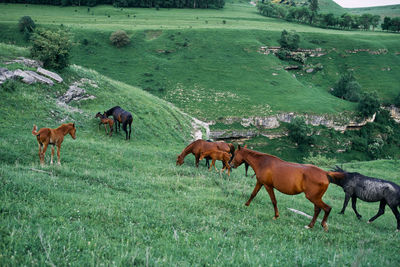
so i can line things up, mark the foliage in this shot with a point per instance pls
(300, 132)
(289, 40)
(397, 101)
(347, 88)
(9, 85)
(391, 24)
(26, 23)
(52, 48)
(119, 38)
(320, 160)
(369, 104)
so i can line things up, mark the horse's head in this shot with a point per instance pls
(98, 115)
(179, 160)
(238, 158)
(72, 131)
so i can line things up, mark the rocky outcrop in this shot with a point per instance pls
(50, 74)
(75, 93)
(26, 61)
(40, 78)
(394, 113)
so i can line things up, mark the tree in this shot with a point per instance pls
(347, 88)
(386, 23)
(375, 21)
(26, 23)
(313, 4)
(120, 38)
(52, 48)
(369, 104)
(289, 40)
(365, 20)
(300, 132)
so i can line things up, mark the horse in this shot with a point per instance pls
(370, 189)
(104, 120)
(288, 178)
(121, 116)
(46, 136)
(217, 155)
(199, 146)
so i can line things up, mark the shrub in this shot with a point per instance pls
(283, 54)
(119, 38)
(347, 88)
(289, 40)
(9, 85)
(369, 104)
(300, 132)
(26, 24)
(52, 48)
(397, 101)
(320, 160)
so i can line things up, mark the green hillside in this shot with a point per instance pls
(383, 11)
(207, 61)
(117, 202)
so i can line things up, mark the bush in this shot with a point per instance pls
(300, 133)
(289, 40)
(9, 85)
(119, 38)
(347, 88)
(52, 48)
(26, 24)
(397, 101)
(320, 160)
(369, 104)
(283, 54)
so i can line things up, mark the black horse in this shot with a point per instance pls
(356, 185)
(121, 116)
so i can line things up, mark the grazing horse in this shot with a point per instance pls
(218, 155)
(46, 136)
(288, 178)
(121, 116)
(356, 185)
(199, 146)
(104, 120)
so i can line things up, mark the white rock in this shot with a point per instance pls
(50, 74)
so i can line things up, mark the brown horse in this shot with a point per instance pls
(218, 155)
(288, 178)
(199, 146)
(105, 120)
(46, 136)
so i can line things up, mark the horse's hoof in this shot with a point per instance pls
(247, 204)
(397, 230)
(307, 227)
(368, 221)
(275, 217)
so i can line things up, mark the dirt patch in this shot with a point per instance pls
(152, 34)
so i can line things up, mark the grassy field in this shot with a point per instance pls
(207, 63)
(383, 11)
(114, 202)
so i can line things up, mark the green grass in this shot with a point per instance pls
(210, 69)
(383, 11)
(117, 202)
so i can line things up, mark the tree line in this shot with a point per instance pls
(129, 3)
(308, 13)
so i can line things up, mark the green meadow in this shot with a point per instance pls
(115, 202)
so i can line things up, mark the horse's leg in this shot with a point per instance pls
(52, 154)
(316, 198)
(254, 193)
(346, 201)
(111, 129)
(58, 154)
(105, 128)
(317, 210)
(271, 194)
(43, 153)
(353, 204)
(213, 163)
(246, 167)
(130, 130)
(381, 211)
(197, 160)
(40, 152)
(396, 214)
(207, 162)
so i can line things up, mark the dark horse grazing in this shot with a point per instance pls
(289, 178)
(369, 189)
(199, 146)
(121, 116)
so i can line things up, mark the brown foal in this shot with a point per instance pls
(55, 137)
(218, 155)
(105, 120)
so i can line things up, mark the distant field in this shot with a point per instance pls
(383, 11)
(206, 61)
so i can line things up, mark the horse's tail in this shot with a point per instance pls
(34, 132)
(333, 176)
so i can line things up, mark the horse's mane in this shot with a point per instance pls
(259, 154)
(110, 111)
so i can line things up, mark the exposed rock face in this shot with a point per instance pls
(50, 74)
(26, 78)
(75, 93)
(394, 113)
(40, 78)
(27, 62)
